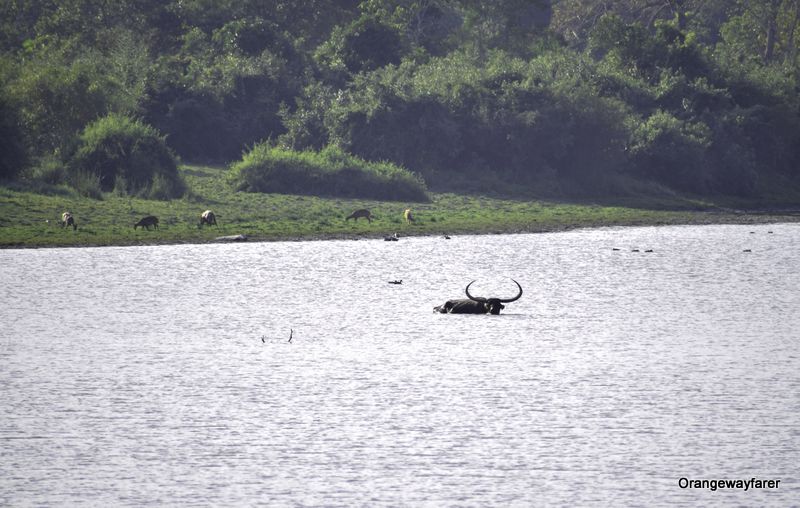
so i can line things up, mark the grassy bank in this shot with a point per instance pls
(30, 219)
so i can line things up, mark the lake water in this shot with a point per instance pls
(164, 376)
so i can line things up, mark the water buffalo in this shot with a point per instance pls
(146, 222)
(208, 218)
(476, 304)
(362, 212)
(68, 220)
(408, 216)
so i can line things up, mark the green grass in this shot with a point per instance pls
(330, 172)
(31, 219)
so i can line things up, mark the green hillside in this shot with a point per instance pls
(568, 100)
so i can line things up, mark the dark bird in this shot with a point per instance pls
(615, 248)
(291, 332)
(649, 250)
(262, 339)
(396, 281)
(446, 237)
(747, 250)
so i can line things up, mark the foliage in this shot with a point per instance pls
(563, 98)
(365, 44)
(330, 172)
(534, 122)
(13, 153)
(118, 147)
(671, 151)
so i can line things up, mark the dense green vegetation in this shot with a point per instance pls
(558, 99)
(330, 172)
(31, 219)
(126, 156)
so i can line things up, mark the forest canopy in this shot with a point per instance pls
(561, 98)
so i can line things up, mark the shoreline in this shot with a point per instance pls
(30, 220)
(695, 218)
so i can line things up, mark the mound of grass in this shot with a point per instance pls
(127, 156)
(330, 172)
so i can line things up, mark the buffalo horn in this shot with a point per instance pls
(475, 298)
(516, 297)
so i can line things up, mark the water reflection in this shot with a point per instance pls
(138, 375)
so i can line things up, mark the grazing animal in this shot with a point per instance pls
(208, 218)
(476, 304)
(68, 220)
(362, 212)
(408, 216)
(146, 222)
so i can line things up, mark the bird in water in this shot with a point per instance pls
(291, 332)
(396, 281)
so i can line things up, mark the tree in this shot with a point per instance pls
(764, 29)
(13, 154)
(365, 44)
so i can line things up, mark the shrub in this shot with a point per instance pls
(365, 44)
(330, 172)
(48, 170)
(13, 154)
(86, 184)
(118, 146)
(672, 152)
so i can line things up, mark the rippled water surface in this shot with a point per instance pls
(164, 375)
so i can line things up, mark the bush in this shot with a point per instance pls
(86, 184)
(672, 152)
(365, 44)
(117, 146)
(13, 154)
(48, 170)
(330, 172)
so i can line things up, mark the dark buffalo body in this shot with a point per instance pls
(463, 307)
(476, 304)
(146, 222)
